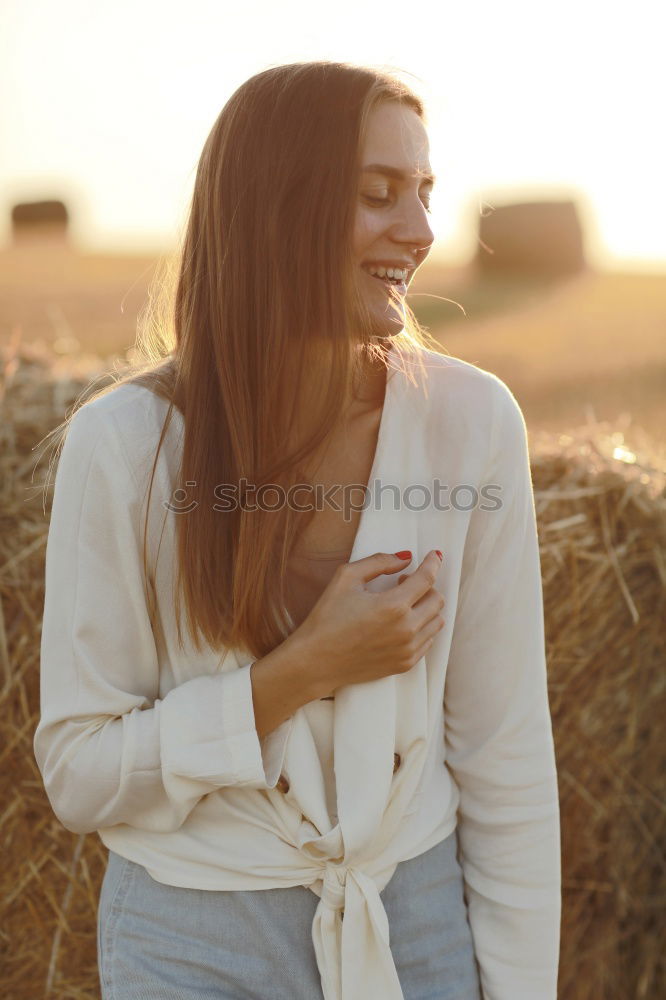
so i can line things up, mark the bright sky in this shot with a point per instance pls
(107, 106)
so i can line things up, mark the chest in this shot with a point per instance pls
(329, 536)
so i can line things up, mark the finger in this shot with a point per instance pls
(424, 649)
(370, 567)
(429, 604)
(422, 579)
(431, 631)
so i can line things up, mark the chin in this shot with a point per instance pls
(386, 328)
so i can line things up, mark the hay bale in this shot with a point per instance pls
(601, 508)
(601, 511)
(531, 238)
(38, 220)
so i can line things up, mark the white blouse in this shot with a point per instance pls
(156, 748)
(308, 575)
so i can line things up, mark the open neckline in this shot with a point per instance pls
(380, 447)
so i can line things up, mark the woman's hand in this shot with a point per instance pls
(353, 635)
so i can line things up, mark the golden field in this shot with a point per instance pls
(590, 347)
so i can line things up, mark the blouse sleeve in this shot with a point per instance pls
(108, 748)
(498, 732)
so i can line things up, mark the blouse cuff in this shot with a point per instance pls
(259, 761)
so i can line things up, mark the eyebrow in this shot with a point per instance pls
(384, 168)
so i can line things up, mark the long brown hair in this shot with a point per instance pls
(265, 282)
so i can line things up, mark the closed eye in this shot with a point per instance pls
(385, 201)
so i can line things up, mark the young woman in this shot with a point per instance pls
(321, 757)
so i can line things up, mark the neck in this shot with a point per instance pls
(368, 396)
(372, 387)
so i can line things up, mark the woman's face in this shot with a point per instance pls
(392, 215)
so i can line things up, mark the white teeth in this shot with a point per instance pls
(400, 273)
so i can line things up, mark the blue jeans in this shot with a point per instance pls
(163, 942)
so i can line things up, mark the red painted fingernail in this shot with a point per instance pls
(405, 554)
(439, 553)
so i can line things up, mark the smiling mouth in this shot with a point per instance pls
(400, 286)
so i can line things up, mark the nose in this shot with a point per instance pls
(413, 230)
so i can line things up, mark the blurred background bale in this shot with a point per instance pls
(39, 220)
(537, 237)
(601, 509)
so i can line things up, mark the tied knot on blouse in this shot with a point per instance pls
(334, 883)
